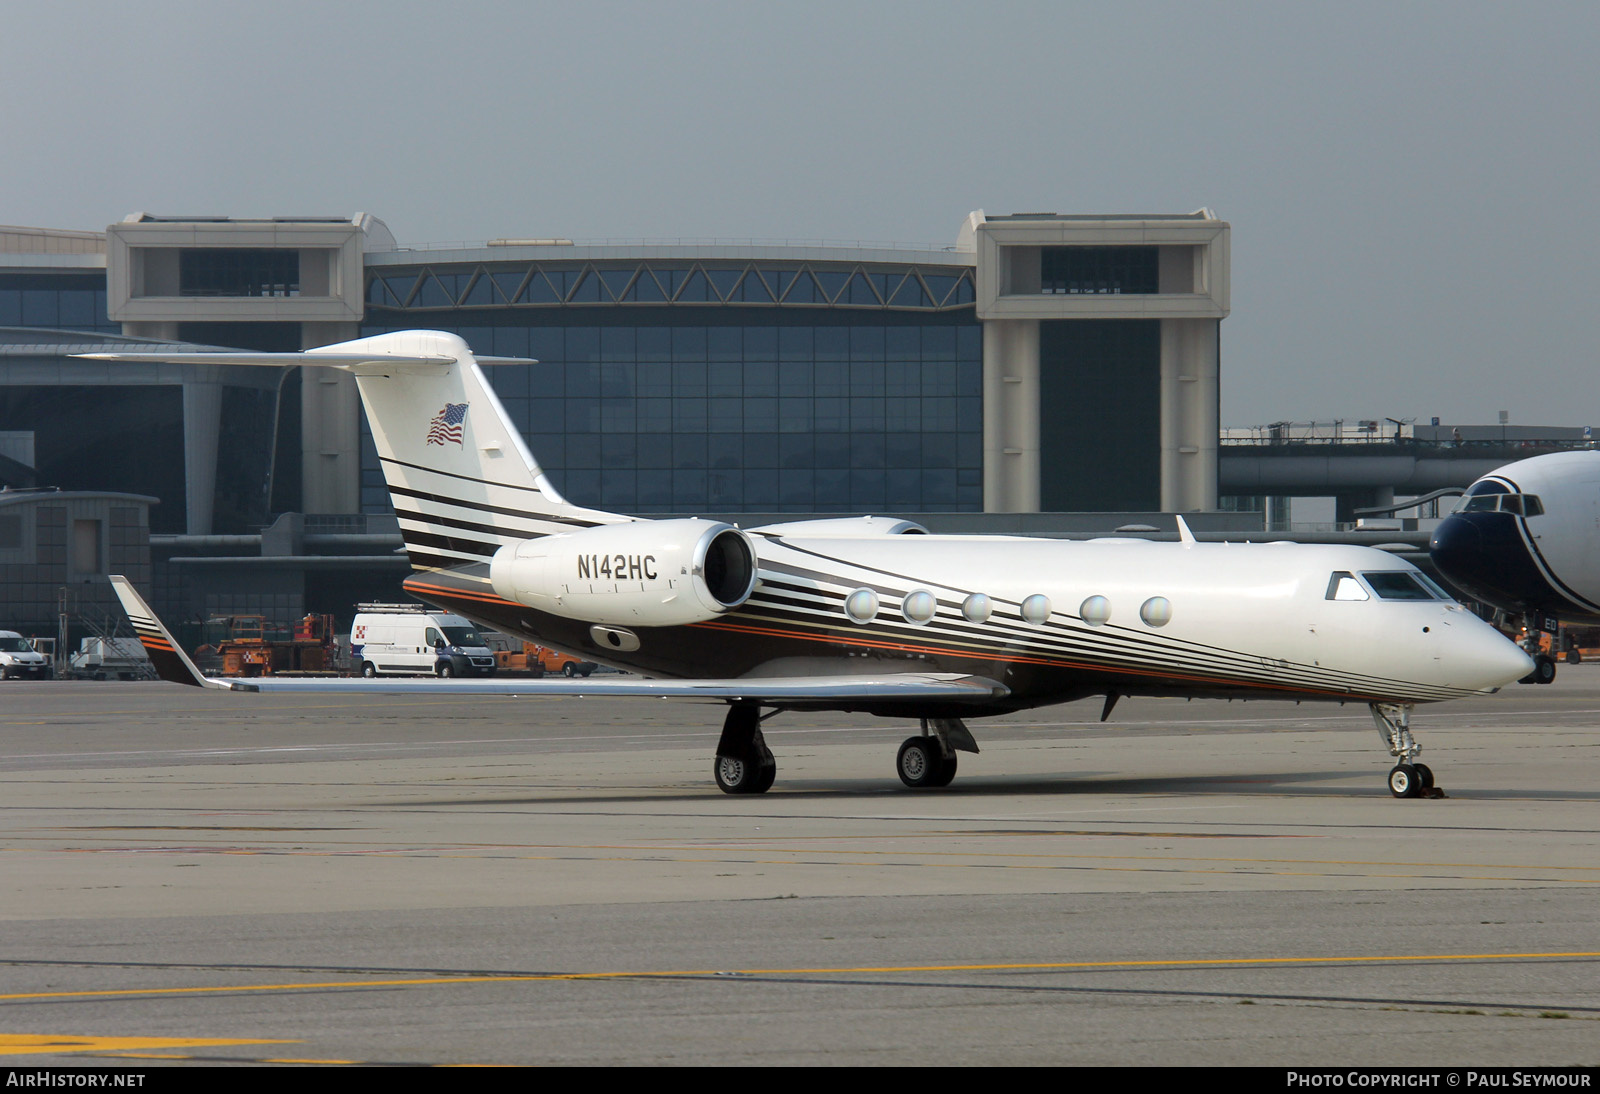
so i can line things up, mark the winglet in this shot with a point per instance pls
(1185, 536)
(171, 663)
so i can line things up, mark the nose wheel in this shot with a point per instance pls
(1408, 778)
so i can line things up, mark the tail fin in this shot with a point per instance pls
(461, 478)
(171, 663)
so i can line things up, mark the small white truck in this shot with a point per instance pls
(110, 659)
(399, 640)
(20, 661)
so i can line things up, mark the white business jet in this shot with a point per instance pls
(1526, 539)
(865, 614)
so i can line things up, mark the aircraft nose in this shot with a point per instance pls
(1510, 662)
(1485, 658)
(1483, 554)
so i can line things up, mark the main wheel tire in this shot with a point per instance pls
(768, 775)
(947, 771)
(735, 775)
(368, 669)
(569, 670)
(1404, 781)
(919, 762)
(1424, 775)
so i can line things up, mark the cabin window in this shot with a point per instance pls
(1156, 612)
(1036, 610)
(1396, 585)
(1344, 586)
(919, 606)
(861, 606)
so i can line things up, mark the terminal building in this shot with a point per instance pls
(1040, 363)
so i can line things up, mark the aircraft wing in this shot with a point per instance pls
(174, 665)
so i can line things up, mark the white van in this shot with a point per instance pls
(394, 640)
(18, 658)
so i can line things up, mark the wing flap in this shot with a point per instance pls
(918, 687)
(174, 665)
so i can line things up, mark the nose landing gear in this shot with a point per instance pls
(1407, 779)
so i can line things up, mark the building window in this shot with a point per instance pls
(216, 271)
(1098, 270)
(86, 557)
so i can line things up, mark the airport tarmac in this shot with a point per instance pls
(199, 877)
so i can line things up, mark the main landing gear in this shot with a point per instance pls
(930, 760)
(1407, 779)
(744, 762)
(745, 765)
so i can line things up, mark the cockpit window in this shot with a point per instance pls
(1433, 586)
(1344, 586)
(1396, 585)
(1527, 505)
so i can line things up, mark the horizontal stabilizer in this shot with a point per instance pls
(309, 357)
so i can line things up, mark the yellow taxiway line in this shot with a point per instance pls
(846, 970)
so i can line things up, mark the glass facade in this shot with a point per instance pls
(1098, 270)
(122, 438)
(55, 300)
(668, 388)
(220, 271)
(1100, 392)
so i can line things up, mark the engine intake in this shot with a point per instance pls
(648, 573)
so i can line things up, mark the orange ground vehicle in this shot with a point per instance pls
(246, 645)
(539, 660)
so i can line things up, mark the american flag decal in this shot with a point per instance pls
(446, 425)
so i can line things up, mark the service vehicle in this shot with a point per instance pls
(20, 661)
(110, 658)
(410, 640)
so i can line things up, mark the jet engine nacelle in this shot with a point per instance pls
(648, 573)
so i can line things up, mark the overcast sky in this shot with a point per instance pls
(1412, 187)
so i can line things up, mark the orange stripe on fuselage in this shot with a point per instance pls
(1025, 659)
(458, 594)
